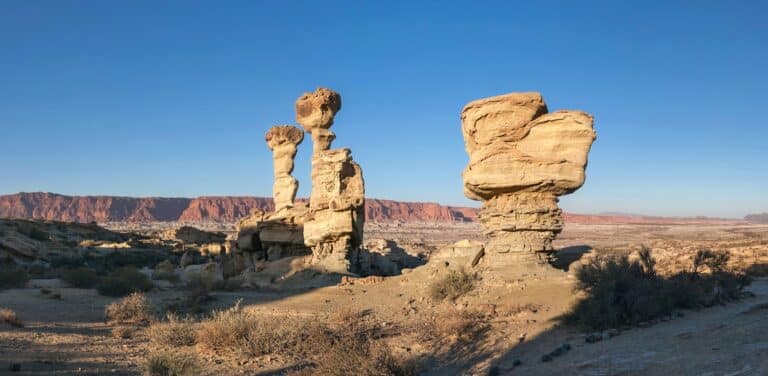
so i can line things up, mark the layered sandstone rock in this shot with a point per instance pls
(333, 227)
(522, 158)
(266, 236)
(283, 141)
(334, 223)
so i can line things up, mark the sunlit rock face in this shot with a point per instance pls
(521, 158)
(284, 140)
(333, 227)
(315, 112)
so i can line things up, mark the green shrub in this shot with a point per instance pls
(124, 281)
(11, 276)
(452, 285)
(171, 363)
(81, 277)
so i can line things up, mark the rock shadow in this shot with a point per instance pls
(564, 257)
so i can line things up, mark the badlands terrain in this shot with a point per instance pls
(500, 327)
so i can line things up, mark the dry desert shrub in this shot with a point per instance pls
(620, 291)
(455, 329)
(452, 286)
(134, 308)
(10, 317)
(11, 276)
(174, 362)
(249, 333)
(123, 332)
(174, 332)
(351, 345)
(80, 277)
(124, 281)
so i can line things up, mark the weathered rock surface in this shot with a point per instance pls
(189, 234)
(522, 158)
(283, 141)
(315, 112)
(334, 223)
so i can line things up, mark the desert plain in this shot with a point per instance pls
(499, 327)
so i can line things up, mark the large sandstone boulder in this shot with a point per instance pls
(522, 158)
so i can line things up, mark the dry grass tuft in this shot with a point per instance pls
(249, 333)
(175, 332)
(454, 329)
(123, 332)
(171, 363)
(350, 344)
(452, 286)
(134, 308)
(10, 317)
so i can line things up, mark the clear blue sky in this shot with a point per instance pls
(149, 98)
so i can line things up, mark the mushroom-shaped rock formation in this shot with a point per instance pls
(283, 140)
(315, 112)
(522, 158)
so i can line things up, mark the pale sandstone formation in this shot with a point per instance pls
(315, 112)
(334, 223)
(283, 140)
(522, 158)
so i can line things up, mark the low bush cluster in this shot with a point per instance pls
(124, 281)
(620, 291)
(174, 332)
(80, 277)
(349, 348)
(452, 286)
(171, 362)
(134, 308)
(10, 317)
(11, 276)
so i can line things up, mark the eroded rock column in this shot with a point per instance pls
(522, 158)
(283, 140)
(333, 228)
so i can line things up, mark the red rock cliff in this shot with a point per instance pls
(58, 207)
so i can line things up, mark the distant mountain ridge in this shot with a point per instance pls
(53, 206)
(757, 218)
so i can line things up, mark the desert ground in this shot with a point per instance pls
(502, 326)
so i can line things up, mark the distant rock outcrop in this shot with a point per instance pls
(757, 218)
